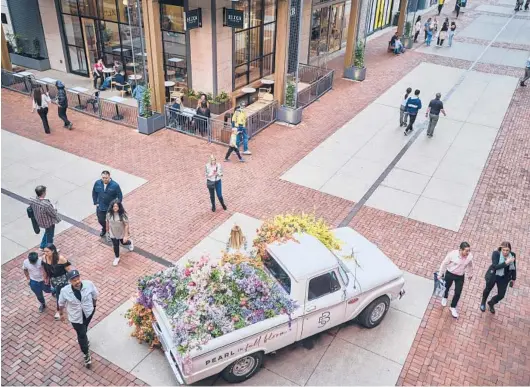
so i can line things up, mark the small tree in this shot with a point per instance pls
(289, 94)
(147, 108)
(359, 55)
(408, 30)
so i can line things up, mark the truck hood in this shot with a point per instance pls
(370, 266)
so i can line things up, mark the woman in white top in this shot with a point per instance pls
(403, 110)
(214, 172)
(417, 28)
(40, 102)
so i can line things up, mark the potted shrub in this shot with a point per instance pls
(28, 57)
(289, 112)
(189, 99)
(219, 104)
(408, 39)
(357, 72)
(149, 121)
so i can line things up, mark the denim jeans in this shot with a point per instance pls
(38, 287)
(244, 134)
(48, 236)
(451, 36)
(219, 191)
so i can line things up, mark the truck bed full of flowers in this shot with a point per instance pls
(206, 300)
(281, 228)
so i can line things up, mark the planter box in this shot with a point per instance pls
(408, 42)
(189, 102)
(219, 108)
(152, 124)
(32, 63)
(355, 73)
(288, 115)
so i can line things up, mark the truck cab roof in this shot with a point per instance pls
(303, 257)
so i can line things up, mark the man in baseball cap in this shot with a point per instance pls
(79, 298)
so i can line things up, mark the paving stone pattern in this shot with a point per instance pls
(170, 214)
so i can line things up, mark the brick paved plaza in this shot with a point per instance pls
(170, 213)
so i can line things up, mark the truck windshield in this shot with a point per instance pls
(277, 272)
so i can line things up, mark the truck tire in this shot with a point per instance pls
(243, 368)
(374, 313)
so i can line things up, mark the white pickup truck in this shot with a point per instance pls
(329, 288)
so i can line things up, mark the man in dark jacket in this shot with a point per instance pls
(105, 191)
(62, 104)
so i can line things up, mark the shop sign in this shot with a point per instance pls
(233, 18)
(193, 19)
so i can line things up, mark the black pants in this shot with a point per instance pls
(102, 219)
(457, 9)
(459, 284)
(116, 245)
(412, 119)
(81, 330)
(43, 113)
(230, 150)
(416, 36)
(96, 77)
(62, 115)
(502, 284)
(440, 6)
(57, 294)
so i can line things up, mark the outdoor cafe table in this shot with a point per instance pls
(77, 90)
(117, 99)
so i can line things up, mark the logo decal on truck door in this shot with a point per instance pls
(324, 319)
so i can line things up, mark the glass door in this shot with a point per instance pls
(75, 45)
(335, 27)
(91, 41)
(315, 34)
(324, 30)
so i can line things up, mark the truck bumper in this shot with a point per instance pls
(169, 356)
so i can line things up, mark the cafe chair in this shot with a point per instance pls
(123, 89)
(265, 94)
(177, 92)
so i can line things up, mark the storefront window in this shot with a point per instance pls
(174, 43)
(88, 8)
(327, 24)
(107, 10)
(254, 45)
(69, 6)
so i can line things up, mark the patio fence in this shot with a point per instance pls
(319, 79)
(102, 108)
(216, 130)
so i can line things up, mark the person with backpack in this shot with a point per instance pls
(41, 102)
(502, 272)
(62, 104)
(413, 107)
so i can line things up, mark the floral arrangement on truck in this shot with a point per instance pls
(206, 299)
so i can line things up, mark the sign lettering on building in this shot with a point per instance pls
(233, 18)
(193, 19)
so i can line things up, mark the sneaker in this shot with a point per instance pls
(131, 246)
(115, 262)
(522, 84)
(226, 160)
(405, 133)
(102, 233)
(491, 307)
(482, 307)
(213, 209)
(224, 207)
(57, 316)
(70, 126)
(247, 152)
(88, 360)
(454, 312)
(444, 301)
(41, 308)
(241, 160)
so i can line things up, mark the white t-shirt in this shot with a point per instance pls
(45, 100)
(34, 270)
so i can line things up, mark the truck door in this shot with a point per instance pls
(325, 304)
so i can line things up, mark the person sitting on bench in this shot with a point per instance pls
(398, 47)
(392, 43)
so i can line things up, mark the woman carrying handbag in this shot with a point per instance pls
(502, 272)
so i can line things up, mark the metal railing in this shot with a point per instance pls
(320, 81)
(91, 104)
(259, 120)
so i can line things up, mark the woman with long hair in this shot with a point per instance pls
(41, 102)
(403, 108)
(214, 172)
(237, 243)
(502, 272)
(203, 99)
(118, 229)
(55, 268)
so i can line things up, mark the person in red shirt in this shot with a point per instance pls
(98, 72)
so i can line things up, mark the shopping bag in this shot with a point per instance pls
(439, 286)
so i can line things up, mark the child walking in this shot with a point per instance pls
(233, 145)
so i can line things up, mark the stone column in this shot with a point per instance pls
(351, 39)
(282, 40)
(402, 16)
(6, 60)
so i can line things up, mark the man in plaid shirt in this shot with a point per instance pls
(45, 214)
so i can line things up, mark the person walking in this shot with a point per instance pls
(62, 104)
(79, 299)
(118, 229)
(440, 6)
(233, 145)
(55, 268)
(518, 5)
(239, 121)
(433, 112)
(104, 192)
(214, 172)
(41, 102)
(502, 272)
(458, 5)
(452, 33)
(34, 272)
(403, 108)
(453, 270)
(429, 37)
(527, 5)
(526, 73)
(443, 33)
(46, 215)
(417, 29)
(413, 107)
(426, 27)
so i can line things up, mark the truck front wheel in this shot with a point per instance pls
(243, 369)
(374, 313)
